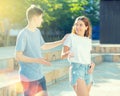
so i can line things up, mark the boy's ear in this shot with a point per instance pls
(33, 17)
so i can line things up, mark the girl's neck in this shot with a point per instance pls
(81, 35)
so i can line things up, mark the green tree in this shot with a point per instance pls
(59, 15)
(92, 11)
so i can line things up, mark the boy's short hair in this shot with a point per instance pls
(33, 10)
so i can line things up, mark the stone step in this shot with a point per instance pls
(105, 48)
(8, 65)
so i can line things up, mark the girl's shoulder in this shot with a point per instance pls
(70, 36)
(87, 38)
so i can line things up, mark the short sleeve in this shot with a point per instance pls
(90, 44)
(21, 42)
(42, 42)
(68, 41)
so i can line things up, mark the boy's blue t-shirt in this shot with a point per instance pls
(29, 43)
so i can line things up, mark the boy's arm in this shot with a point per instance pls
(21, 57)
(51, 45)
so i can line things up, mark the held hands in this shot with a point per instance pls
(92, 66)
(43, 61)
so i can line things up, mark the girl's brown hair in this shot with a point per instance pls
(86, 22)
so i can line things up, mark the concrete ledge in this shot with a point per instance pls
(7, 65)
(105, 49)
(97, 58)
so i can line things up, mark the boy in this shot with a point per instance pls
(28, 54)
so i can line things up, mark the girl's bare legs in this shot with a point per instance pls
(75, 88)
(81, 89)
(89, 87)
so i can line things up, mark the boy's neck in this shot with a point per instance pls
(31, 27)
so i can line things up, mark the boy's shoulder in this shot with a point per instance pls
(37, 29)
(22, 32)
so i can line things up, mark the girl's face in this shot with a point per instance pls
(80, 28)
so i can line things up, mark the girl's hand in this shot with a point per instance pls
(92, 66)
(70, 55)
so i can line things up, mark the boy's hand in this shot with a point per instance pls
(64, 38)
(92, 66)
(43, 61)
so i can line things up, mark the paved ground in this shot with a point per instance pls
(107, 82)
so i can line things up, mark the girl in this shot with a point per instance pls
(77, 48)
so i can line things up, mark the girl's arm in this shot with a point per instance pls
(65, 52)
(92, 66)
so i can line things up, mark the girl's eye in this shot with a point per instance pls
(81, 25)
(76, 24)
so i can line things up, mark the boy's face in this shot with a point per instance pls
(38, 20)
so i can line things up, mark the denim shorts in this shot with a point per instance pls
(79, 71)
(33, 87)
